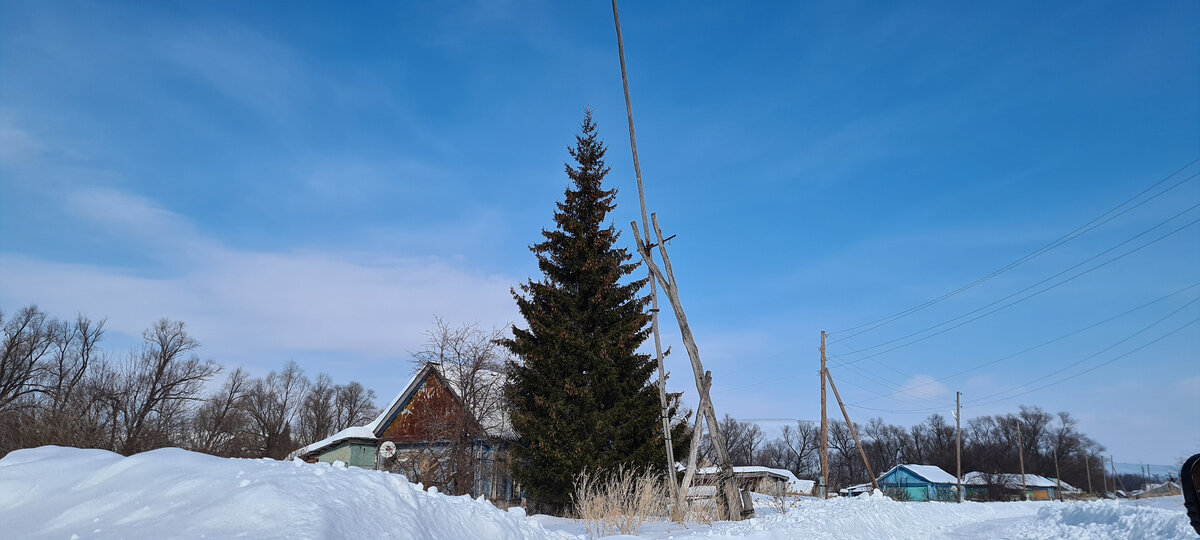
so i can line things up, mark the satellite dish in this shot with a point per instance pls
(387, 449)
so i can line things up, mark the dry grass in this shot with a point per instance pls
(703, 511)
(619, 502)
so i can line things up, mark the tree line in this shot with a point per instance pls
(58, 386)
(989, 445)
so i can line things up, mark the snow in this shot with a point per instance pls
(932, 473)
(54, 492)
(794, 484)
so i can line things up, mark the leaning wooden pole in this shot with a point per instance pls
(853, 432)
(658, 353)
(727, 488)
(690, 471)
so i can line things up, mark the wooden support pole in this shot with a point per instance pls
(1057, 476)
(1087, 467)
(1021, 460)
(727, 487)
(690, 472)
(853, 432)
(958, 441)
(824, 427)
(658, 354)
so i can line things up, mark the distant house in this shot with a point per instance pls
(438, 441)
(1164, 489)
(919, 483)
(1008, 486)
(1067, 489)
(758, 479)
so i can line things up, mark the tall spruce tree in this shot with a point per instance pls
(581, 395)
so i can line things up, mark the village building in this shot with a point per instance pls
(758, 479)
(430, 434)
(919, 483)
(1164, 489)
(1008, 486)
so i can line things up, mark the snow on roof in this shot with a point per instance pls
(1013, 480)
(354, 432)
(794, 483)
(931, 473)
(496, 422)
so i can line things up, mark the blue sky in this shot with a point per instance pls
(318, 182)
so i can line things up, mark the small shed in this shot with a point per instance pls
(759, 479)
(856, 490)
(919, 483)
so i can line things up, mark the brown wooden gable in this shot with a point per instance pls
(433, 413)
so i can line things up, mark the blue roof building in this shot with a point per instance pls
(919, 483)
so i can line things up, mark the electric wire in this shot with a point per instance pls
(1083, 229)
(1091, 356)
(1044, 343)
(1097, 366)
(1036, 293)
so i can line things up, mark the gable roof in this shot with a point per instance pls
(930, 473)
(496, 424)
(1013, 480)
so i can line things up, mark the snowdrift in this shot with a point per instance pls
(54, 492)
(1116, 520)
(877, 516)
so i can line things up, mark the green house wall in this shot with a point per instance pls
(354, 454)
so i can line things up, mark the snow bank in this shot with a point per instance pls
(1107, 520)
(54, 492)
(870, 516)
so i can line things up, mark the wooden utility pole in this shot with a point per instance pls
(1087, 467)
(727, 487)
(824, 426)
(1021, 459)
(658, 353)
(958, 440)
(1116, 478)
(853, 432)
(1057, 476)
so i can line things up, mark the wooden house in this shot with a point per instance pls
(919, 483)
(439, 440)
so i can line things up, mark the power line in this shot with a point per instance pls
(1045, 343)
(1097, 353)
(1036, 293)
(1098, 366)
(1083, 229)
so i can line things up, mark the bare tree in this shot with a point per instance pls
(742, 440)
(27, 337)
(471, 361)
(160, 381)
(317, 414)
(802, 443)
(272, 405)
(353, 405)
(219, 424)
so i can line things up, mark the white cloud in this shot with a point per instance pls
(922, 387)
(254, 306)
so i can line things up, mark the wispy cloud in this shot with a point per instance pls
(253, 306)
